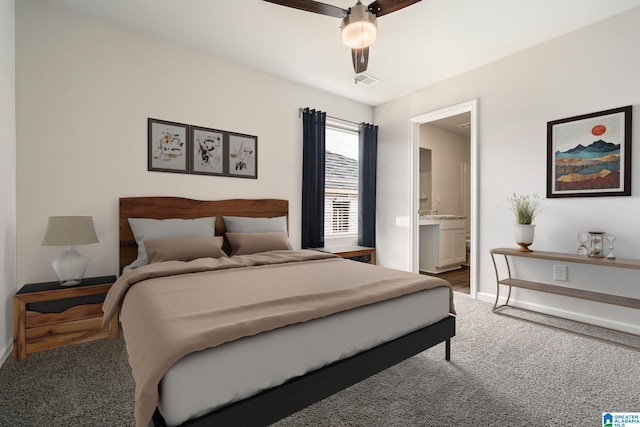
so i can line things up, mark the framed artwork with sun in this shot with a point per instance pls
(590, 155)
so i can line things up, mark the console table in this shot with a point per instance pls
(562, 290)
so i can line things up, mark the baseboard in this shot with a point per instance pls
(6, 351)
(567, 314)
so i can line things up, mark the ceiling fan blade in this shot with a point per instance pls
(383, 7)
(360, 59)
(313, 6)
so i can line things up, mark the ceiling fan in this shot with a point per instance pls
(358, 26)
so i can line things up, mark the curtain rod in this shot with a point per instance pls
(300, 110)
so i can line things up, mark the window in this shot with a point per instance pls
(340, 214)
(341, 185)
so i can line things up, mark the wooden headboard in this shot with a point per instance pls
(177, 207)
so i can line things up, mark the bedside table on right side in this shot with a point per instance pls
(351, 252)
(47, 315)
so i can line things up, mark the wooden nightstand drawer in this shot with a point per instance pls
(48, 316)
(78, 312)
(64, 334)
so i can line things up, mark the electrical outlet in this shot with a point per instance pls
(560, 273)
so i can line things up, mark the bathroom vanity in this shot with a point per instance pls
(442, 242)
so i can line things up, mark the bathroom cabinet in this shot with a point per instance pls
(442, 244)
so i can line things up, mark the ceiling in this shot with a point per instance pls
(459, 124)
(417, 46)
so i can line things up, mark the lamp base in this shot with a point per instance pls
(71, 282)
(70, 266)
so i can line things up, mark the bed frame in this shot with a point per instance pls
(279, 402)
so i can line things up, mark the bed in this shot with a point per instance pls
(322, 371)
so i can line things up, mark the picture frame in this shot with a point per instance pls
(168, 146)
(208, 151)
(242, 155)
(590, 155)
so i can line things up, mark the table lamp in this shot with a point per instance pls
(69, 231)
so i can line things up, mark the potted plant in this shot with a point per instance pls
(525, 207)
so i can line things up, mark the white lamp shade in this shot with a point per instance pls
(69, 230)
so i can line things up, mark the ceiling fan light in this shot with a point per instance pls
(359, 34)
(359, 28)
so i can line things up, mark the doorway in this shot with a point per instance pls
(469, 107)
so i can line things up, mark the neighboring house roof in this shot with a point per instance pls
(341, 173)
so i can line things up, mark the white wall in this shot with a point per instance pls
(393, 184)
(7, 173)
(582, 72)
(84, 92)
(448, 151)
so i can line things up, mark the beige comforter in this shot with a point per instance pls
(176, 308)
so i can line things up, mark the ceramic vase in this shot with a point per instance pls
(524, 236)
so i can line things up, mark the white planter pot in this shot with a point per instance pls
(524, 236)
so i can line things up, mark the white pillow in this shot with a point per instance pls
(243, 224)
(149, 229)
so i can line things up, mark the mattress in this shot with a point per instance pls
(203, 381)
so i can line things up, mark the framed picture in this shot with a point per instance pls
(168, 148)
(243, 156)
(590, 155)
(207, 151)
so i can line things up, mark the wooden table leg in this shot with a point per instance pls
(113, 327)
(19, 327)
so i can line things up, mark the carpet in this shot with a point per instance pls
(504, 372)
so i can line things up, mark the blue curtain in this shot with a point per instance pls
(313, 148)
(368, 150)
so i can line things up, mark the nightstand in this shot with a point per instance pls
(351, 252)
(47, 315)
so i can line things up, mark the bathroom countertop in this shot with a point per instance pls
(441, 217)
